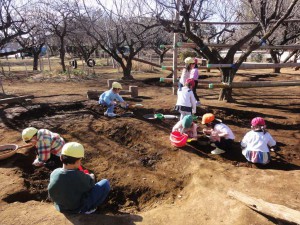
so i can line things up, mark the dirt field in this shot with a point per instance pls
(152, 182)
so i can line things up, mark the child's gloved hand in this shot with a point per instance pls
(36, 162)
(206, 131)
(214, 136)
(92, 176)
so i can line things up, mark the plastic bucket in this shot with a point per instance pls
(178, 139)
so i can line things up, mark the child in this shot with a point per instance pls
(219, 133)
(256, 142)
(72, 190)
(48, 146)
(186, 125)
(108, 98)
(194, 74)
(186, 102)
(189, 65)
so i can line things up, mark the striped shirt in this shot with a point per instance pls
(48, 143)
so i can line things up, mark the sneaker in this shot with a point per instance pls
(217, 151)
(111, 114)
(90, 211)
(213, 145)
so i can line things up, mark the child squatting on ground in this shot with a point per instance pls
(187, 126)
(109, 98)
(48, 146)
(186, 102)
(72, 190)
(256, 142)
(219, 133)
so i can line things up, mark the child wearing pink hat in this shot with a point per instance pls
(256, 142)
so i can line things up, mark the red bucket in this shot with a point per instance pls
(178, 139)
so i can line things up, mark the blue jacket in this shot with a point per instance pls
(109, 96)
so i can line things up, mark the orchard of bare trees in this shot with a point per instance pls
(81, 27)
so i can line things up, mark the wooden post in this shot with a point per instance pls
(255, 84)
(255, 65)
(40, 62)
(26, 69)
(82, 64)
(109, 83)
(175, 50)
(15, 99)
(134, 91)
(274, 210)
(8, 65)
(49, 63)
(2, 85)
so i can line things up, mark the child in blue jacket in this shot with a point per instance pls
(109, 98)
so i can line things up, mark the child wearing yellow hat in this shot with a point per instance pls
(48, 146)
(72, 190)
(109, 98)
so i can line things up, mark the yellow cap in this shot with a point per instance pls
(189, 60)
(116, 85)
(73, 149)
(28, 133)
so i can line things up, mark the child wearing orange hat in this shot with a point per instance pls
(219, 133)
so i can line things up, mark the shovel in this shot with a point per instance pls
(131, 106)
(9, 150)
(159, 116)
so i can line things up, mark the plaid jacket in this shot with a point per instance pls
(48, 143)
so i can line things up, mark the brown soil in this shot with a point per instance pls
(152, 182)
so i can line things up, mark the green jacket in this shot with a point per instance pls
(68, 189)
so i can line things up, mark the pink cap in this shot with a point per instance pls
(190, 81)
(258, 121)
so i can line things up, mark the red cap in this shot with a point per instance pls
(258, 121)
(190, 81)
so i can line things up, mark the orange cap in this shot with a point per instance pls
(207, 118)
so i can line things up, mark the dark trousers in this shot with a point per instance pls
(194, 90)
(224, 144)
(53, 163)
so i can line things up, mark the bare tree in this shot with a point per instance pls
(59, 18)
(34, 41)
(12, 25)
(264, 11)
(122, 30)
(161, 38)
(80, 44)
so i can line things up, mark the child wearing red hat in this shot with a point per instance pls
(186, 102)
(256, 142)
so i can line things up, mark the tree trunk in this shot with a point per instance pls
(275, 60)
(161, 58)
(62, 53)
(127, 69)
(35, 60)
(227, 77)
